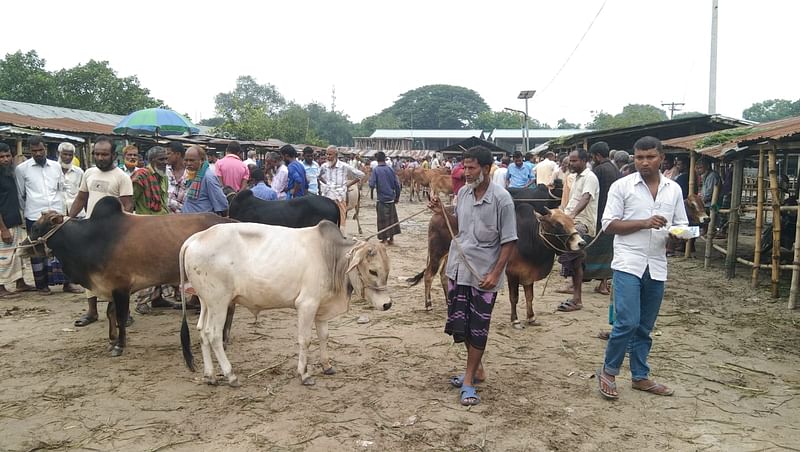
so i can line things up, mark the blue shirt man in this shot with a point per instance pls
(261, 190)
(204, 192)
(519, 175)
(312, 170)
(296, 183)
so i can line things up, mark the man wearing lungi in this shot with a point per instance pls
(487, 233)
(385, 180)
(11, 228)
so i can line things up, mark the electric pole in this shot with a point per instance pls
(333, 98)
(712, 79)
(673, 107)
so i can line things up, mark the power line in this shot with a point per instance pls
(673, 107)
(576, 46)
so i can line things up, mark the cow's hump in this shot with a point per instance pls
(106, 207)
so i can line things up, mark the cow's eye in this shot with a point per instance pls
(373, 273)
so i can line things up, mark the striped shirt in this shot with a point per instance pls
(336, 179)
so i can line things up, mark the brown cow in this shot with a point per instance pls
(696, 213)
(115, 254)
(541, 233)
(421, 180)
(441, 185)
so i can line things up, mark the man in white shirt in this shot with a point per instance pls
(72, 174)
(251, 159)
(336, 177)
(546, 169)
(582, 207)
(280, 180)
(435, 163)
(501, 173)
(40, 185)
(640, 209)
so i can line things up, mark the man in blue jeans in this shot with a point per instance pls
(640, 209)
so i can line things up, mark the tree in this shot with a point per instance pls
(771, 110)
(490, 120)
(688, 114)
(216, 121)
(631, 115)
(563, 124)
(438, 107)
(249, 94)
(369, 124)
(92, 86)
(23, 78)
(95, 86)
(332, 127)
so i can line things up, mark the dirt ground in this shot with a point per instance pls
(730, 352)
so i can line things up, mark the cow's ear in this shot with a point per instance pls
(359, 252)
(56, 219)
(543, 211)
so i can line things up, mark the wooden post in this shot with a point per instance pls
(733, 217)
(796, 270)
(692, 173)
(759, 220)
(710, 233)
(19, 157)
(776, 223)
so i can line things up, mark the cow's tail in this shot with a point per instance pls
(414, 280)
(186, 342)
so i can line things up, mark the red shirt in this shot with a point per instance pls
(457, 173)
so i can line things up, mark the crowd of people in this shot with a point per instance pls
(631, 198)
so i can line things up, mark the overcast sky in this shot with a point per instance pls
(637, 51)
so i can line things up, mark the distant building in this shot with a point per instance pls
(511, 139)
(413, 139)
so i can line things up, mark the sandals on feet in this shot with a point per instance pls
(569, 306)
(655, 388)
(468, 396)
(458, 380)
(85, 320)
(602, 381)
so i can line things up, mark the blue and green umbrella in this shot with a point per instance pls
(155, 121)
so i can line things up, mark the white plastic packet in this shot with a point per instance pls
(685, 232)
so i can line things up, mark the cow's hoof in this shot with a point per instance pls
(309, 381)
(428, 305)
(329, 371)
(234, 382)
(209, 380)
(116, 351)
(517, 325)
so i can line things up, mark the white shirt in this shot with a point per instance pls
(545, 172)
(434, 163)
(373, 164)
(40, 188)
(249, 162)
(585, 182)
(72, 184)
(281, 181)
(499, 177)
(630, 199)
(336, 178)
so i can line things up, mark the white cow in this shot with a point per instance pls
(318, 270)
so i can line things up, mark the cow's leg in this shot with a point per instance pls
(112, 324)
(528, 288)
(513, 298)
(226, 331)
(443, 276)
(430, 271)
(216, 329)
(358, 210)
(122, 307)
(322, 334)
(205, 346)
(305, 318)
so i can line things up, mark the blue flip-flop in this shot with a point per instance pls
(458, 380)
(467, 393)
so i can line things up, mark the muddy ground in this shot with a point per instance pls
(730, 352)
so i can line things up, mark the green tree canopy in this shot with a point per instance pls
(771, 110)
(490, 120)
(438, 107)
(631, 115)
(92, 86)
(248, 95)
(564, 124)
(688, 114)
(95, 86)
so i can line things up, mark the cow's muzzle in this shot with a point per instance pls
(386, 306)
(582, 244)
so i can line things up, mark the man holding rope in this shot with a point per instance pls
(479, 252)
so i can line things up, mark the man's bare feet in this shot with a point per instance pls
(652, 387)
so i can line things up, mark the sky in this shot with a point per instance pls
(633, 51)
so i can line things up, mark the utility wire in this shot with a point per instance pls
(576, 47)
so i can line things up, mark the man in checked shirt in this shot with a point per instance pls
(336, 178)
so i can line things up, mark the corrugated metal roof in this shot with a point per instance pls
(740, 136)
(535, 133)
(426, 133)
(59, 124)
(47, 111)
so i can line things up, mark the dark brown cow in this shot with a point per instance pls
(115, 253)
(696, 213)
(541, 233)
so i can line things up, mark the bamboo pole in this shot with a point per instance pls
(711, 232)
(733, 218)
(776, 223)
(796, 270)
(759, 219)
(692, 173)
